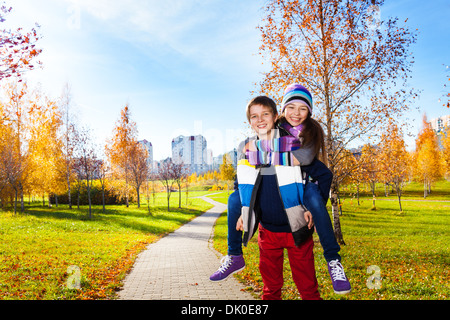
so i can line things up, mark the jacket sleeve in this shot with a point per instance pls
(240, 156)
(305, 155)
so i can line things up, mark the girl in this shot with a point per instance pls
(296, 119)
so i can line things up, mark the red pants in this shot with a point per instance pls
(301, 260)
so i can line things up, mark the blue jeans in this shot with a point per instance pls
(234, 236)
(313, 202)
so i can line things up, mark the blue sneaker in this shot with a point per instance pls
(341, 285)
(230, 265)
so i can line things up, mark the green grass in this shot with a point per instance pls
(411, 249)
(38, 247)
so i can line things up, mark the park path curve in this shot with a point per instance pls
(178, 266)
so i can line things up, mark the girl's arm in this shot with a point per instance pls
(305, 155)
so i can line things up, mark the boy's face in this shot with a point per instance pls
(262, 119)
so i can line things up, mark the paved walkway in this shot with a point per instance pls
(178, 266)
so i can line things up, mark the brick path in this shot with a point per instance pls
(178, 266)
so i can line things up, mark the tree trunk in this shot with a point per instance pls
(357, 193)
(126, 192)
(373, 195)
(22, 204)
(103, 198)
(15, 201)
(399, 195)
(168, 199)
(179, 195)
(138, 197)
(335, 212)
(89, 200)
(424, 188)
(329, 139)
(69, 195)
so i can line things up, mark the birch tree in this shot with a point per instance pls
(355, 65)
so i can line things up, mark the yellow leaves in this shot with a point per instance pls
(33, 122)
(427, 155)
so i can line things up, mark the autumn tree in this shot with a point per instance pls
(5, 133)
(102, 175)
(87, 161)
(446, 151)
(167, 178)
(427, 157)
(119, 146)
(68, 137)
(227, 171)
(370, 165)
(10, 164)
(138, 167)
(17, 49)
(179, 171)
(15, 153)
(394, 159)
(45, 146)
(354, 165)
(355, 66)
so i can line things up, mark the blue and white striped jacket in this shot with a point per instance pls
(290, 185)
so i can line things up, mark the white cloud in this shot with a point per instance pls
(219, 36)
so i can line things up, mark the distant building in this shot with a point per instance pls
(440, 125)
(232, 156)
(148, 145)
(192, 151)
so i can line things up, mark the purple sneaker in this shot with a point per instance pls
(341, 285)
(230, 265)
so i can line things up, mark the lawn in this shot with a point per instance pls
(410, 250)
(39, 247)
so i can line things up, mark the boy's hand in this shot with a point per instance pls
(309, 219)
(240, 224)
(250, 146)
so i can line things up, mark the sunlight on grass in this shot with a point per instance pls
(38, 247)
(410, 248)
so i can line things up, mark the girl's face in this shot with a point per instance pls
(262, 120)
(295, 113)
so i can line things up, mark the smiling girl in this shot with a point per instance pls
(296, 119)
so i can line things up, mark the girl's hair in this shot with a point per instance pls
(264, 101)
(312, 133)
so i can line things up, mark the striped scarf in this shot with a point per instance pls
(275, 151)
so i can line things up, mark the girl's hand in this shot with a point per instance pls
(240, 224)
(309, 219)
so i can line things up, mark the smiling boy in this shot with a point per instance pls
(271, 203)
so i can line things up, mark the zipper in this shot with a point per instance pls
(282, 202)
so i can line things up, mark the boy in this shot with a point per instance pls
(270, 201)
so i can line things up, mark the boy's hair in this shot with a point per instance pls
(264, 101)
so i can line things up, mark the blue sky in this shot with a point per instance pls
(187, 66)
